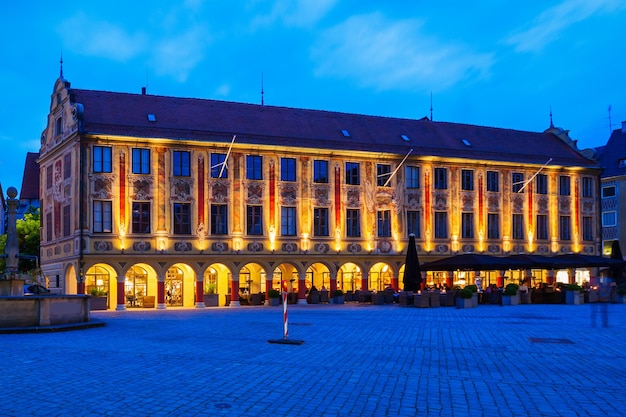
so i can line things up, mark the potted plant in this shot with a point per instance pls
(98, 299)
(274, 297)
(621, 294)
(465, 298)
(474, 289)
(574, 294)
(211, 297)
(338, 297)
(510, 296)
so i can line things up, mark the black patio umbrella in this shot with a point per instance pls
(617, 272)
(473, 262)
(577, 260)
(412, 273)
(531, 261)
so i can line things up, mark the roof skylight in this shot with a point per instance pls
(405, 138)
(345, 133)
(466, 142)
(151, 117)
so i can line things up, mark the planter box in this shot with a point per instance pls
(338, 299)
(97, 303)
(620, 298)
(464, 303)
(421, 300)
(475, 300)
(525, 297)
(510, 300)
(211, 300)
(574, 297)
(274, 301)
(378, 298)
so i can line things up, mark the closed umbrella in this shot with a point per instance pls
(616, 253)
(412, 273)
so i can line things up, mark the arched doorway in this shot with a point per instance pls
(135, 286)
(174, 279)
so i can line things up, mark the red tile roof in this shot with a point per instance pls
(30, 180)
(217, 121)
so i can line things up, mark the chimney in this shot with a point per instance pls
(624, 126)
(143, 91)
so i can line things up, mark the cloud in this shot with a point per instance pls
(301, 13)
(103, 39)
(174, 56)
(548, 25)
(178, 56)
(391, 55)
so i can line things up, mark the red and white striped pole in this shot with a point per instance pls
(285, 319)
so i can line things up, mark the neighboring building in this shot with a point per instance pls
(154, 196)
(612, 158)
(3, 212)
(29, 194)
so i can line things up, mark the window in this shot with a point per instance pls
(254, 216)
(609, 219)
(218, 164)
(493, 181)
(219, 219)
(587, 228)
(564, 228)
(608, 191)
(102, 216)
(320, 171)
(517, 181)
(467, 179)
(518, 226)
(141, 217)
(384, 223)
(287, 169)
(182, 218)
(441, 178)
(413, 223)
(441, 224)
(49, 177)
(383, 173)
(254, 167)
(102, 159)
(587, 187)
(182, 164)
(49, 227)
(412, 175)
(542, 227)
(67, 226)
(353, 223)
(564, 185)
(352, 173)
(320, 222)
(67, 166)
(58, 126)
(541, 182)
(467, 225)
(141, 161)
(288, 221)
(493, 226)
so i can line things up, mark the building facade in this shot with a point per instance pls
(171, 198)
(613, 161)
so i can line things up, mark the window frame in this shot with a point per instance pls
(441, 178)
(440, 219)
(565, 185)
(181, 218)
(254, 167)
(353, 223)
(383, 223)
(383, 173)
(217, 160)
(288, 221)
(467, 225)
(141, 161)
(181, 163)
(541, 184)
(141, 224)
(541, 227)
(320, 171)
(493, 181)
(321, 226)
(102, 159)
(288, 169)
(219, 219)
(467, 180)
(102, 216)
(254, 220)
(413, 223)
(353, 173)
(493, 225)
(412, 176)
(517, 226)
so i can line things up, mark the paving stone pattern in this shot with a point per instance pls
(356, 360)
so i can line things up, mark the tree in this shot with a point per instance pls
(28, 237)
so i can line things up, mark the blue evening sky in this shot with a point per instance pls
(499, 63)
